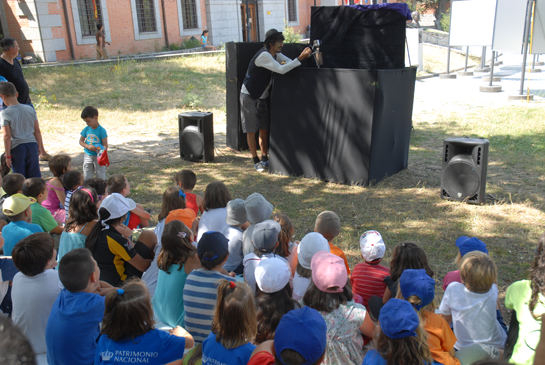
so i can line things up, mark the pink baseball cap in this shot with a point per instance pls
(328, 272)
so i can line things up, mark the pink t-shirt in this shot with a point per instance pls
(451, 277)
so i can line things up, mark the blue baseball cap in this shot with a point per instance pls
(303, 330)
(417, 282)
(215, 242)
(468, 244)
(398, 319)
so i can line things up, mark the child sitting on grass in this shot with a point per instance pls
(236, 220)
(71, 181)
(36, 188)
(136, 217)
(465, 245)
(80, 305)
(310, 244)
(328, 224)
(58, 165)
(17, 208)
(187, 179)
(35, 287)
(11, 184)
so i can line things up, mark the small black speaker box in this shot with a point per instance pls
(196, 133)
(465, 161)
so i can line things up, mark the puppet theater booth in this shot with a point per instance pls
(349, 120)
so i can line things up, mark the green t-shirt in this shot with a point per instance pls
(43, 217)
(517, 297)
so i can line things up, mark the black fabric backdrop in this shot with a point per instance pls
(348, 126)
(358, 39)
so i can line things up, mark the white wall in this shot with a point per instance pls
(271, 15)
(223, 21)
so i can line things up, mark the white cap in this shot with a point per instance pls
(272, 274)
(117, 205)
(310, 244)
(372, 246)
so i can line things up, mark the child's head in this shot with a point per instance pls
(418, 288)
(401, 337)
(17, 208)
(408, 255)
(213, 249)
(478, 272)
(7, 89)
(372, 247)
(309, 245)
(186, 179)
(177, 247)
(60, 164)
(285, 236)
(537, 273)
(14, 345)
(90, 115)
(118, 184)
(265, 236)
(330, 286)
(132, 298)
(13, 183)
(301, 338)
(78, 271)
(216, 196)
(234, 322)
(236, 213)
(273, 296)
(466, 245)
(34, 254)
(36, 188)
(83, 207)
(257, 208)
(173, 199)
(328, 224)
(98, 184)
(72, 180)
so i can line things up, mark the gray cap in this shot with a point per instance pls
(257, 208)
(265, 235)
(236, 212)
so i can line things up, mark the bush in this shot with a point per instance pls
(186, 44)
(290, 34)
(445, 21)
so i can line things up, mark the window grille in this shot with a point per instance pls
(292, 10)
(189, 14)
(90, 13)
(145, 11)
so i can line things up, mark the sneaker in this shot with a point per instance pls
(265, 164)
(259, 167)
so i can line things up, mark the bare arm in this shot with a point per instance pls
(539, 358)
(105, 143)
(61, 194)
(367, 327)
(38, 136)
(387, 295)
(140, 263)
(180, 332)
(448, 318)
(7, 144)
(85, 145)
(56, 230)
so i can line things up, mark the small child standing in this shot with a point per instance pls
(368, 277)
(471, 307)
(233, 326)
(328, 224)
(91, 136)
(131, 339)
(17, 208)
(71, 181)
(22, 136)
(58, 165)
(80, 305)
(187, 179)
(36, 188)
(136, 217)
(35, 287)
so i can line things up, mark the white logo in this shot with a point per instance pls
(106, 355)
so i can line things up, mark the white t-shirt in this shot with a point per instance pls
(234, 235)
(212, 220)
(300, 286)
(33, 297)
(473, 316)
(151, 274)
(250, 263)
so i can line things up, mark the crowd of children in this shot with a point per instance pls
(233, 287)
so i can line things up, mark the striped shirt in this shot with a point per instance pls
(367, 280)
(200, 296)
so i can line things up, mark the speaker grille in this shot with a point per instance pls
(192, 143)
(460, 178)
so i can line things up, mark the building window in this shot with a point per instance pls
(292, 10)
(90, 13)
(145, 10)
(189, 14)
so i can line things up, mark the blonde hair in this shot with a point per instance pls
(234, 322)
(328, 224)
(415, 300)
(478, 272)
(458, 259)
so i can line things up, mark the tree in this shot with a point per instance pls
(439, 8)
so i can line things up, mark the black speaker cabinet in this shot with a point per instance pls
(465, 161)
(196, 133)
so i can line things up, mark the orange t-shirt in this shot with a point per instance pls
(187, 216)
(338, 252)
(441, 339)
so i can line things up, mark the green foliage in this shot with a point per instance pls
(445, 21)
(290, 34)
(41, 100)
(438, 7)
(191, 99)
(410, 3)
(186, 44)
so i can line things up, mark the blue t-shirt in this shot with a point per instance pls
(213, 353)
(16, 231)
(154, 347)
(73, 328)
(372, 357)
(93, 137)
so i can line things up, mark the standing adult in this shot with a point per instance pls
(101, 43)
(255, 91)
(11, 69)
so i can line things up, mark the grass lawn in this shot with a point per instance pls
(139, 101)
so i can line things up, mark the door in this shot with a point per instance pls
(252, 23)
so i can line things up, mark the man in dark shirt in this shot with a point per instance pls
(101, 43)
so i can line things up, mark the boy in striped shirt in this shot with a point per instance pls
(367, 277)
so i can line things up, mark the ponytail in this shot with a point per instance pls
(103, 223)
